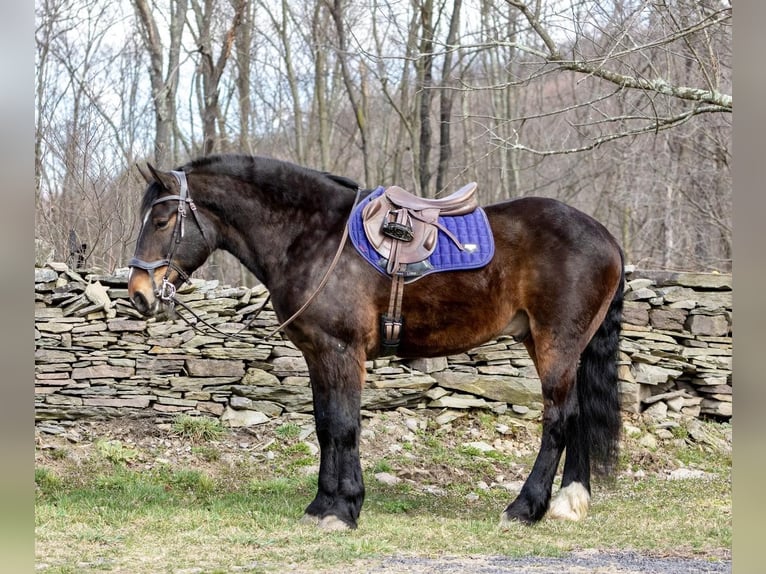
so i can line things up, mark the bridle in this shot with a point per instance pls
(166, 291)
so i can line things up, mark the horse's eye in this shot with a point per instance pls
(161, 223)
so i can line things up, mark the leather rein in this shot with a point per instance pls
(166, 292)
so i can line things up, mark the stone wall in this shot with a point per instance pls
(96, 357)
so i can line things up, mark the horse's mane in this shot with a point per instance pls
(285, 178)
(251, 167)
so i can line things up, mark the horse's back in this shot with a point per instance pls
(551, 261)
(544, 223)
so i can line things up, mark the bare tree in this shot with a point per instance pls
(621, 108)
(446, 99)
(320, 20)
(163, 76)
(210, 68)
(355, 96)
(80, 144)
(615, 47)
(242, 48)
(424, 93)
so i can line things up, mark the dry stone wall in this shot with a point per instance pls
(96, 357)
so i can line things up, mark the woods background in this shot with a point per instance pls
(621, 108)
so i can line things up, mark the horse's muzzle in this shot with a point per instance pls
(143, 306)
(141, 293)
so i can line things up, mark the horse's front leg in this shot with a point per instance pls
(337, 376)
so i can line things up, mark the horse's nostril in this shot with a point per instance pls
(140, 303)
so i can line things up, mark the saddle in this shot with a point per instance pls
(403, 228)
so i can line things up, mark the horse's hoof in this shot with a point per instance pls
(570, 503)
(309, 519)
(520, 511)
(333, 524)
(507, 521)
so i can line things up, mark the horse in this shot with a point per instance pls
(555, 282)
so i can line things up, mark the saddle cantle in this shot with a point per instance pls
(458, 203)
(407, 237)
(403, 228)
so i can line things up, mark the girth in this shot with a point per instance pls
(404, 229)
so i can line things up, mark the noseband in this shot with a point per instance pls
(166, 291)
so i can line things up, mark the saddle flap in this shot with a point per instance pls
(423, 243)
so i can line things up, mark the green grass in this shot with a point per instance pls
(198, 428)
(113, 513)
(288, 431)
(183, 519)
(206, 453)
(116, 452)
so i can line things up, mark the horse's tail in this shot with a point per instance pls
(597, 391)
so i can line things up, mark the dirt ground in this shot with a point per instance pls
(382, 434)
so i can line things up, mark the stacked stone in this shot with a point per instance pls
(676, 347)
(95, 356)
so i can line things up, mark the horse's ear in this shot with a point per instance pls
(165, 179)
(148, 177)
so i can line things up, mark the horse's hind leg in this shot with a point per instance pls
(336, 380)
(572, 500)
(593, 430)
(556, 368)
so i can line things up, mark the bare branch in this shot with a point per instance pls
(724, 102)
(657, 124)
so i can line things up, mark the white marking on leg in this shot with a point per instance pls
(309, 519)
(332, 524)
(506, 522)
(570, 503)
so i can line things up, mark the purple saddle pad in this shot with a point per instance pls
(472, 230)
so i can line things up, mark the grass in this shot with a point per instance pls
(111, 513)
(198, 428)
(186, 521)
(116, 452)
(288, 431)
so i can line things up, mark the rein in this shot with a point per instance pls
(330, 269)
(172, 301)
(167, 291)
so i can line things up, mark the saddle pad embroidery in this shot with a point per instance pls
(471, 229)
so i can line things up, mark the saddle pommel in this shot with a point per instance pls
(461, 202)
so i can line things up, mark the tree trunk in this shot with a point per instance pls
(424, 86)
(164, 81)
(319, 23)
(446, 98)
(211, 69)
(242, 44)
(336, 10)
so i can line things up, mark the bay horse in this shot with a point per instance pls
(555, 282)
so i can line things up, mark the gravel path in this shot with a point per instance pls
(576, 563)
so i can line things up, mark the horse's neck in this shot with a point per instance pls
(271, 238)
